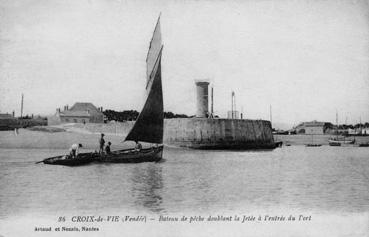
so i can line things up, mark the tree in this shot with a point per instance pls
(172, 115)
(130, 115)
(126, 115)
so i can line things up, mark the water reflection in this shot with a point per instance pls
(147, 184)
(190, 180)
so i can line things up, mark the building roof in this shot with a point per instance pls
(314, 124)
(83, 109)
(81, 106)
(70, 113)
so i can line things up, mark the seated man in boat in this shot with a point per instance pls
(73, 151)
(102, 143)
(138, 146)
(107, 148)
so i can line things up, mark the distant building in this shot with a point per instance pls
(313, 127)
(358, 131)
(78, 113)
(353, 131)
(6, 116)
(365, 131)
(8, 122)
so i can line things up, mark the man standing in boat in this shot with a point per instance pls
(73, 151)
(102, 143)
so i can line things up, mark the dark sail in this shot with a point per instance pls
(149, 124)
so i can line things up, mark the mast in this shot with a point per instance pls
(22, 106)
(337, 124)
(270, 114)
(232, 105)
(212, 101)
(235, 108)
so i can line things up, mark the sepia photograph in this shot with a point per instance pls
(184, 118)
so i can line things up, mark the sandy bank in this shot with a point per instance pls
(46, 129)
(56, 140)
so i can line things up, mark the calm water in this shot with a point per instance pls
(332, 179)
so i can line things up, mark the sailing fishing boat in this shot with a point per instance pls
(149, 124)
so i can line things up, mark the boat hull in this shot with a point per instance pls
(153, 154)
(340, 142)
(313, 145)
(364, 145)
(82, 159)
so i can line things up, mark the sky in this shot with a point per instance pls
(306, 59)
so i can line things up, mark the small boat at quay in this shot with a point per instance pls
(81, 159)
(313, 145)
(340, 141)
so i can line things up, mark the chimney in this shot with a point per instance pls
(101, 109)
(67, 107)
(13, 113)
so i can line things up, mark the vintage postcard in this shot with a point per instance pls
(184, 118)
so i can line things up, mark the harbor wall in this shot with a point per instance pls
(202, 133)
(206, 133)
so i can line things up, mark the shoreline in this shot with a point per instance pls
(61, 137)
(302, 139)
(26, 138)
